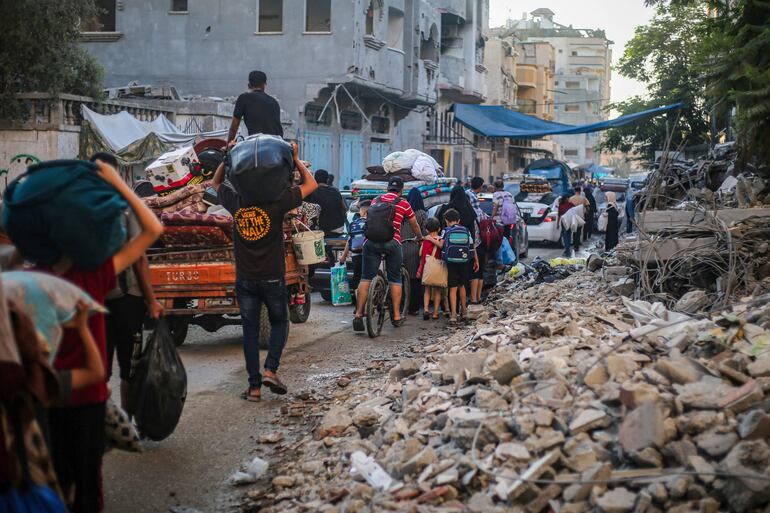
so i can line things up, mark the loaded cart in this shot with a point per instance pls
(197, 286)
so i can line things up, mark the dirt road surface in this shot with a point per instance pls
(218, 431)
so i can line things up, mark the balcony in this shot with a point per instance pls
(526, 76)
(586, 60)
(384, 66)
(480, 86)
(453, 70)
(47, 112)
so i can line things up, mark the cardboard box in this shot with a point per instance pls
(173, 169)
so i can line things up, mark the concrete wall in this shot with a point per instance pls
(21, 148)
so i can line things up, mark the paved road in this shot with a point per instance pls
(217, 430)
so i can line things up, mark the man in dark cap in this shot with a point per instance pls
(333, 208)
(259, 110)
(391, 249)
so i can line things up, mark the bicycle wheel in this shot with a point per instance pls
(375, 306)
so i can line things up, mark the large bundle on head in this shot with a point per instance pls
(64, 208)
(260, 168)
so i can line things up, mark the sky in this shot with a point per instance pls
(618, 18)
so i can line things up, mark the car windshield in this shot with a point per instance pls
(547, 172)
(637, 185)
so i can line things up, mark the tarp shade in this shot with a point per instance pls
(498, 121)
(131, 140)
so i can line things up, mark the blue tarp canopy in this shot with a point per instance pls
(498, 121)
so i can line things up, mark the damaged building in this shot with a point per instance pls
(355, 80)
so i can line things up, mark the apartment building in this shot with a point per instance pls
(462, 78)
(582, 62)
(353, 77)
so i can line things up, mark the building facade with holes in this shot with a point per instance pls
(354, 78)
(462, 79)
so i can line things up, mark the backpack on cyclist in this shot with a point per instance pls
(379, 223)
(357, 235)
(457, 245)
(491, 234)
(508, 210)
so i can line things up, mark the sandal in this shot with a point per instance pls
(398, 323)
(453, 321)
(434, 317)
(276, 386)
(253, 395)
(358, 324)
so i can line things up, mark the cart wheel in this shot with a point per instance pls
(179, 325)
(300, 313)
(264, 328)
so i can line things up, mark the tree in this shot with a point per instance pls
(40, 52)
(738, 72)
(665, 55)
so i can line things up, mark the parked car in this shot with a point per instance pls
(541, 213)
(519, 240)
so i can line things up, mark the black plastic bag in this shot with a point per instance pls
(260, 167)
(158, 388)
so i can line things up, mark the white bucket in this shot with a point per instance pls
(309, 247)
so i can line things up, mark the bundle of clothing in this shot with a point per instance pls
(187, 229)
(411, 165)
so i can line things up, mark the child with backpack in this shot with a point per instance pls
(355, 242)
(457, 252)
(431, 246)
(504, 209)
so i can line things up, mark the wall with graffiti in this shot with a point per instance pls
(21, 148)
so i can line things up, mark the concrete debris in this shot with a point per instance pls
(561, 397)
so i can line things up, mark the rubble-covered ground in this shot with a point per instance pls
(561, 396)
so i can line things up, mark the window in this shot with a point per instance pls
(373, 16)
(312, 113)
(270, 16)
(104, 21)
(350, 120)
(395, 29)
(572, 107)
(318, 15)
(380, 124)
(572, 84)
(570, 152)
(178, 5)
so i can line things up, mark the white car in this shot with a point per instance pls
(541, 214)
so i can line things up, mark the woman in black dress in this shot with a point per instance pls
(611, 234)
(411, 250)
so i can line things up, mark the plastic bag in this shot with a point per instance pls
(505, 255)
(424, 169)
(601, 224)
(260, 168)
(340, 286)
(399, 160)
(158, 389)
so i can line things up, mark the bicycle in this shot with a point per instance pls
(379, 303)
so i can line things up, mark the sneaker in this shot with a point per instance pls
(399, 322)
(358, 324)
(271, 381)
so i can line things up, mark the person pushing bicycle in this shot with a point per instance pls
(383, 240)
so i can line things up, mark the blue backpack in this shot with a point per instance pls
(457, 245)
(356, 233)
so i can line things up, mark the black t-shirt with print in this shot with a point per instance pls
(258, 233)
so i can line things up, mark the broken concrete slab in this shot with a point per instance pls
(642, 427)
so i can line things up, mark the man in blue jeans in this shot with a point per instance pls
(259, 272)
(391, 249)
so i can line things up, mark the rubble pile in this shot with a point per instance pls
(719, 180)
(560, 397)
(714, 261)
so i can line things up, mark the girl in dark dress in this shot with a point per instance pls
(611, 234)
